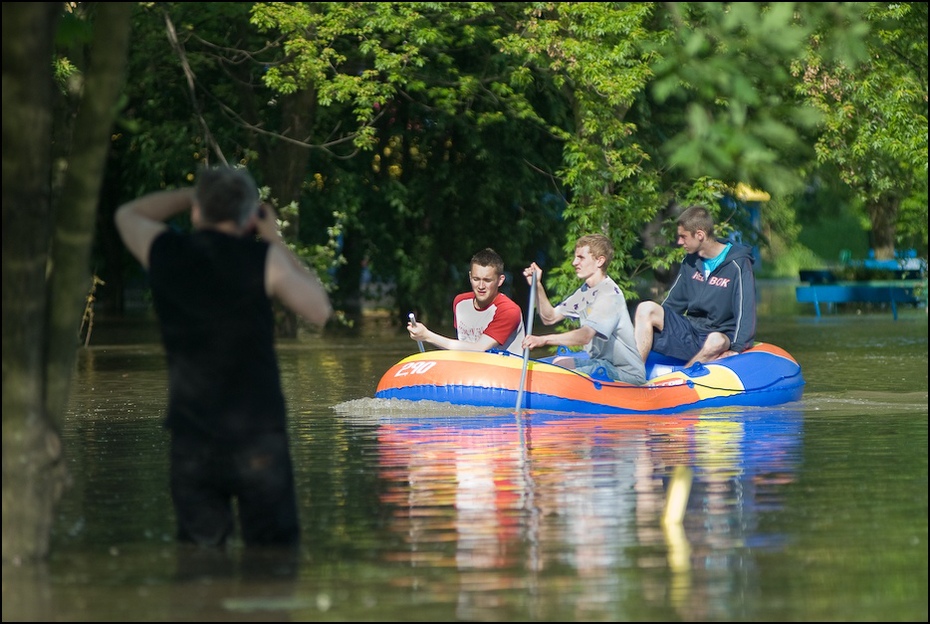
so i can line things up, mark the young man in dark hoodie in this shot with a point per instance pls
(710, 310)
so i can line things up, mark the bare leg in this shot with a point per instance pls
(564, 362)
(650, 316)
(715, 345)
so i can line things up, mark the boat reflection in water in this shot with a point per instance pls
(582, 497)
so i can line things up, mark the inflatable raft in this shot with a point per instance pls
(761, 376)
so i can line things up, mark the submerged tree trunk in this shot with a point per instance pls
(45, 252)
(33, 472)
(76, 212)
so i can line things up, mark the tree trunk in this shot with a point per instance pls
(286, 175)
(76, 213)
(883, 215)
(45, 254)
(33, 471)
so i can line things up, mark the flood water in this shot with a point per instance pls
(814, 510)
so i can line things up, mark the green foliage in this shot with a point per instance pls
(912, 222)
(727, 66)
(594, 53)
(451, 167)
(62, 70)
(874, 130)
(359, 55)
(409, 135)
(786, 261)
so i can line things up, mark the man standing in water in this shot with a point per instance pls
(213, 290)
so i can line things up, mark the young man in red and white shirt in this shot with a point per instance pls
(485, 318)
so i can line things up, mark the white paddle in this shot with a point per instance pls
(529, 330)
(413, 319)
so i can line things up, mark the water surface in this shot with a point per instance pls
(815, 510)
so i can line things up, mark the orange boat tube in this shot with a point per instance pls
(761, 376)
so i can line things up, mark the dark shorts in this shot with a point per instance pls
(206, 476)
(679, 338)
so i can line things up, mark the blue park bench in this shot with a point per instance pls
(894, 292)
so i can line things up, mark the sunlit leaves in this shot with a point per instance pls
(874, 129)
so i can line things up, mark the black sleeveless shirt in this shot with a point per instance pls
(217, 327)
